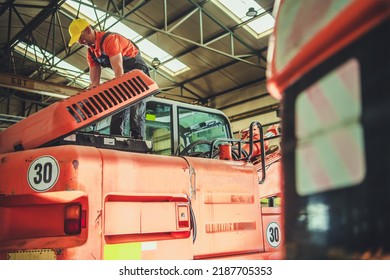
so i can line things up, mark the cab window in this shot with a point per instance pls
(159, 127)
(200, 126)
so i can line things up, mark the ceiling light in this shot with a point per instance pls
(251, 12)
(156, 62)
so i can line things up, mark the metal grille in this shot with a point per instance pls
(107, 99)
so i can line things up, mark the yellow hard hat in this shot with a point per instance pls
(75, 28)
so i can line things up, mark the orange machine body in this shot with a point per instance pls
(64, 199)
(133, 206)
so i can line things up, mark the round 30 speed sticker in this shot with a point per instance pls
(43, 173)
(273, 234)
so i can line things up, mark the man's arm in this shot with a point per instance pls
(117, 64)
(94, 75)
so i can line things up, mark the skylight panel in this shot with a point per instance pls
(86, 11)
(46, 58)
(153, 51)
(115, 26)
(176, 66)
(30, 51)
(262, 24)
(122, 29)
(173, 66)
(238, 9)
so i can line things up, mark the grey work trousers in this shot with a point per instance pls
(135, 114)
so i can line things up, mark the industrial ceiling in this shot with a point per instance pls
(220, 53)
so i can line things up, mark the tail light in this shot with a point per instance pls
(75, 219)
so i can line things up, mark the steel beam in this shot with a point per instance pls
(35, 86)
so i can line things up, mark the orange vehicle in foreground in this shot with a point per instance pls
(70, 190)
(329, 64)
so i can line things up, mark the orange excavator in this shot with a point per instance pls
(70, 190)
